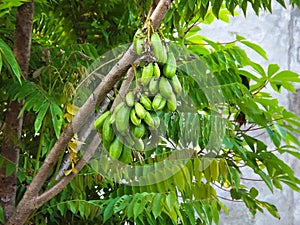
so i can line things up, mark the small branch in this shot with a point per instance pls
(227, 199)
(250, 179)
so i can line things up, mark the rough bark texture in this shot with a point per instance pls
(13, 125)
(30, 199)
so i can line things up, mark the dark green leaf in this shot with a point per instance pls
(10, 60)
(57, 118)
(1, 215)
(108, 211)
(40, 117)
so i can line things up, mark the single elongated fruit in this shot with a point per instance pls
(129, 98)
(169, 69)
(176, 85)
(149, 120)
(165, 88)
(156, 120)
(115, 149)
(122, 119)
(171, 103)
(139, 131)
(128, 140)
(153, 85)
(134, 119)
(139, 110)
(158, 102)
(117, 108)
(108, 133)
(158, 48)
(139, 145)
(126, 156)
(156, 70)
(100, 121)
(146, 102)
(147, 74)
(138, 42)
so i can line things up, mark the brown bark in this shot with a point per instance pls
(31, 200)
(13, 125)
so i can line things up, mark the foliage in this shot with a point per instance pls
(68, 37)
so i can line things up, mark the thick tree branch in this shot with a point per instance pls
(28, 202)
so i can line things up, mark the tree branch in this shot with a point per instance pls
(28, 202)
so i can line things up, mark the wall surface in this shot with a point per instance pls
(279, 35)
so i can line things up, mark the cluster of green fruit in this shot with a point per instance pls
(135, 118)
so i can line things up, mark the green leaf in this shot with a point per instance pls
(189, 210)
(171, 200)
(156, 205)
(9, 168)
(108, 211)
(40, 117)
(256, 48)
(216, 5)
(1, 215)
(61, 208)
(73, 207)
(57, 118)
(122, 203)
(265, 177)
(10, 60)
(139, 205)
(272, 69)
(253, 192)
(1, 63)
(286, 75)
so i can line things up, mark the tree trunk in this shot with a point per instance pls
(13, 125)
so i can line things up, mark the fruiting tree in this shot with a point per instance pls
(157, 131)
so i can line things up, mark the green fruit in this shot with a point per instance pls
(146, 102)
(122, 119)
(147, 74)
(139, 131)
(153, 86)
(129, 140)
(149, 120)
(156, 120)
(138, 42)
(105, 144)
(100, 121)
(176, 85)
(126, 156)
(115, 149)
(156, 70)
(158, 102)
(108, 133)
(134, 119)
(129, 98)
(169, 69)
(172, 103)
(117, 108)
(158, 48)
(165, 88)
(140, 110)
(139, 145)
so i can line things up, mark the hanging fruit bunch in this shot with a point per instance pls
(134, 122)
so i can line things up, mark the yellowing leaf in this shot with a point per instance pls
(68, 116)
(72, 109)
